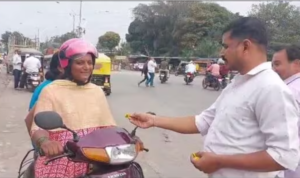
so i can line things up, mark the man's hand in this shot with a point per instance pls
(206, 162)
(142, 120)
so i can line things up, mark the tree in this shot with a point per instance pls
(64, 37)
(124, 49)
(17, 37)
(109, 40)
(56, 41)
(282, 21)
(176, 28)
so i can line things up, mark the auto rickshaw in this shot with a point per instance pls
(101, 73)
(181, 68)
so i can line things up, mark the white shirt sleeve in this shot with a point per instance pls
(205, 119)
(278, 114)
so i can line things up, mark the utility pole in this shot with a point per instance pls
(80, 17)
(74, 20)
(38, 39)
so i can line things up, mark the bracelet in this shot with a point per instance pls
(41, 140)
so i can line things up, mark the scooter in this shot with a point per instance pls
(188, 77)
(163, 76)
(33, 80)
(110, 151)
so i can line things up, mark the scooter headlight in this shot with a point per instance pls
(122, 153)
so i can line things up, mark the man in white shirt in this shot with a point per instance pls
(286, 63)
(190, 68)
(151, 70)
(251, 129)
(17, 68)
(30, 65)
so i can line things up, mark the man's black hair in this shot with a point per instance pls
(293, 52)
(250, 28)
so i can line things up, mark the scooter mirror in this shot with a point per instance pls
(48, 120)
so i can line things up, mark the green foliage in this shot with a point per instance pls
(176, 28)
(194, 28)
(109, 40)
(19, 39)
(56, 41)
(282, 20)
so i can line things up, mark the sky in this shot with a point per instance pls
(49, 18)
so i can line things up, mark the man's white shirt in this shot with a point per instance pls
(17, 62)
(151, 66)
(191, 68)
(255, 112)
(32, 64)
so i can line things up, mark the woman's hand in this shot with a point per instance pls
(51, 148)
(142, 120)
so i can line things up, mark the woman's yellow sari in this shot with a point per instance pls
(83, 109)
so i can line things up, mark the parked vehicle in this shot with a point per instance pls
(181, 68)
(189, 77)
(110, 151)
(102, 73)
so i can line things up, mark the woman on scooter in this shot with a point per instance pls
(81, 104)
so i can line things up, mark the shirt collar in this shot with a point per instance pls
(261, 67)
(291, 78)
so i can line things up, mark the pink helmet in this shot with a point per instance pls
(75, 47)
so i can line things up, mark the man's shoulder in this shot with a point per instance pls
(270, 80)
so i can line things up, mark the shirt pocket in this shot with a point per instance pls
(237, 121)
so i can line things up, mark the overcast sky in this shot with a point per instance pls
(53, 18)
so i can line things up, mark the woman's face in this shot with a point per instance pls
(82, 68)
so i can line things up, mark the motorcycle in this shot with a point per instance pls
(189, 77)
(163, 76)
(111, 157)
(33, 80)
(224, 81)
(214, 82)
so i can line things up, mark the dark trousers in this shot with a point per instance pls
(17, 75)
(145, 79)
(23, 80)
(151, 79)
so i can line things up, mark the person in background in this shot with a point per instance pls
(151, 70)
(30, 65)
(286, 62)
(251, 129)
(190, 68)
(5, 62)
(17, 68)
(214, 69)
(224, 71)
(144, 72)
(164, 67)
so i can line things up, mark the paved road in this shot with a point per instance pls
(169, 152)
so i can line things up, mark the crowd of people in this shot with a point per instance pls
(251, 129)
